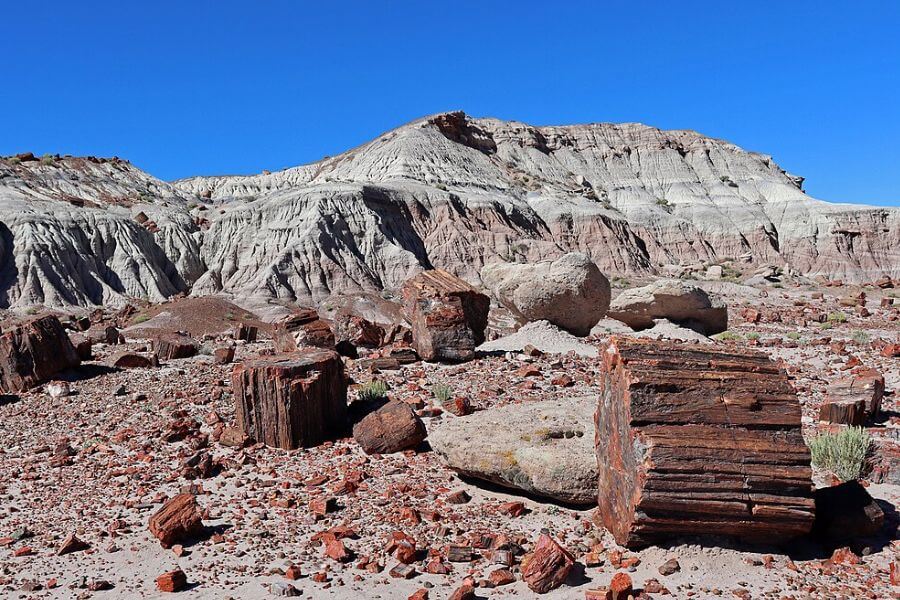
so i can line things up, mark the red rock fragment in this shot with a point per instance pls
(71, 544)
(620, 587)
(500, 577)
(178, 520)
(512, 509)
(547, 566)
(464, 592)
(391, 428)
(173, 581)
(293, 573)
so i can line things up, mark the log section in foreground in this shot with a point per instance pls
(694, 441)
(293, 400)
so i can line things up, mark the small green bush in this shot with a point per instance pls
(861, 337)
(442, 392)
(753, 335)
(837, 317)
(843, 453)
(47, 159)
(793, 335)
(726, 336)
(372, 391)
(14, 160)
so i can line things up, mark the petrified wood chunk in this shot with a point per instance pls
(302, 329)
(171, 346)
(699, 441)
(292, 400)
(448, 315)
(851, 399)
(176, 521)
(32, 352)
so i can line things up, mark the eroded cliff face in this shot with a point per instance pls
(76, 231)
(447, 191)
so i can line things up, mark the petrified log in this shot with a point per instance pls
(32, 352)
(844, 411)
(302, 329)
(177, 520)
(448, 315)
(699, 441)
(851, 399)
(292, 400)
(353, 331)
(171, 346)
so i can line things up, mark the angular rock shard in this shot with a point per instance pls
(177, 520)
(547, 566)
(32, 352)
(695, 441)
(290, 401)
(448, 316)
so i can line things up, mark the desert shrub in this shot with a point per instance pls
(47, 159)
(726, 336)
(753, 335)
(843, 453)
(837, 317)
(793, 335)
(140, 319)
(441, 392)
(372, 391)
(14, 160)
(860, 337)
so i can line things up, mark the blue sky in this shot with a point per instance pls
(209, 87)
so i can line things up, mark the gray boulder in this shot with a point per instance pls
(545, 448)
(569, 292)
(679, 302)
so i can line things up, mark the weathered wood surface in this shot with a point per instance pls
(291, 401)
(448, 316)
(32, 352)
(303, 329)
(852, 399)
(693, 440)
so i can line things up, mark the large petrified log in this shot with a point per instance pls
(302, 329)
(448, 316)
(699, 441)
(291, 400)
(32, 352)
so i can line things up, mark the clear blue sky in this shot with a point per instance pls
(208, 87)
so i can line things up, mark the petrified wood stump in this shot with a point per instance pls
(172, 346)
(32, 352)
(851, 399)
(699, 441)
(290, 401)
(448, 316)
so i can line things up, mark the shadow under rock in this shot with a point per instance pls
(84, 372)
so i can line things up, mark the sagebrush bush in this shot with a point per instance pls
(442, 392)
(374, 390)
(843, 453)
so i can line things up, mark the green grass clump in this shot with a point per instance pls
(843, 453)
(837, 317)
(372, 391)
(442, 392)
(753, 335)
(793, 335)
(726, 336)
(860, 337)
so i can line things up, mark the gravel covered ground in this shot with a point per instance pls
(99, 462)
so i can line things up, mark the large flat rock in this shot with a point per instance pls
(543, 448)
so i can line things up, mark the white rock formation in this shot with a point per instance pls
(569, 292)
(677, 301)
(447, 191)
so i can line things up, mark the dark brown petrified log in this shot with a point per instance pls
(290, 401)
(693, 440)
(851, 399)
(448, 316)
(170, 346)
(32, 352)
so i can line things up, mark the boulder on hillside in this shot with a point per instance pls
(544, 448)
(302, 329)
(391, 428)
(679, 302)
(448, 316)
(569, 292)
(32, 352)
